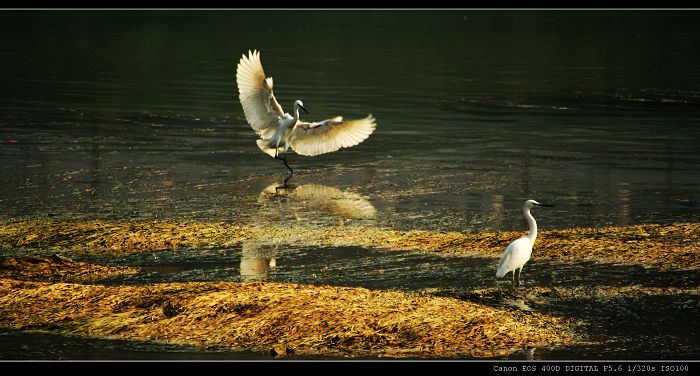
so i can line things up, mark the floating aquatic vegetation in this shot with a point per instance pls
(666, 246)
(315, 320)
(552, 295)
(122, 236)
(58, 269)
(627, 315)
(304, 319)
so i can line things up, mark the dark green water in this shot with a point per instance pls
(125, 114)
(135, 115)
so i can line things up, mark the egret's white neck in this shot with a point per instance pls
(532, 235)
(296, 113)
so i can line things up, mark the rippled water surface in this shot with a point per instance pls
(134, 115)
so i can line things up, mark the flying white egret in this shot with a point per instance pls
(279, 130)
(518, 252)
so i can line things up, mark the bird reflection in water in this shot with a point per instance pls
(316, 201)
(308, 203)
(530, 353)
(257, 260)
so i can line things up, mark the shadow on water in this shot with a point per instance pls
(22, 345)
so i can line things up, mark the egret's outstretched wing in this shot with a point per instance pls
(255, 93)
(330, 135)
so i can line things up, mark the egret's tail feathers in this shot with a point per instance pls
(264, 145)
(501, 272)
(503, 265)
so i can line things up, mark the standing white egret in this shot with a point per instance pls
(279, 130)
(518, 252)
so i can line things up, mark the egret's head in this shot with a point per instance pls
(532, 203)
(300, 104)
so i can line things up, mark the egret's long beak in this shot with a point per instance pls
(302, 107)
(547, 205)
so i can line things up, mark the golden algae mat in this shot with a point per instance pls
(306, 319)
(673, 245)
(56, 294)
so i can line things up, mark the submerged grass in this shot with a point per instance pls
(58, 269)
(550, 295)
(261, 316)
(665, 246)
(319, 320)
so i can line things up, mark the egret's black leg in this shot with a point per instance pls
(291, 172)
(512, 287)
(284, 160)
(520, 272)
(284, 185)
(286, 180)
